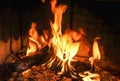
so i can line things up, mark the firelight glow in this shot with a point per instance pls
(87, 75)
(65, 46)
(33, 40)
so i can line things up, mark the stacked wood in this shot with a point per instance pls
(41, 73)
(25, 63)
(13, 71)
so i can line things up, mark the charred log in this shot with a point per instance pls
(42, 56)
(38, 58)
(25, 63)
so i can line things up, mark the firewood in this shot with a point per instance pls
(25, 63)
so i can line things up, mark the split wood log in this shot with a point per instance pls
(25, 63)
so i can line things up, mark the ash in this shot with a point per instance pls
(41, 73)
(38, 73)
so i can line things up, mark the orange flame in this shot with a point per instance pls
(33, 40)
(64, 46)
(87, 76)
(36, 42)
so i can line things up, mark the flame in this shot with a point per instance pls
(87, 76)
(35, 42)
(96, 51)
(64, 46)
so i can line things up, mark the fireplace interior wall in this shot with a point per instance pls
(15, 24)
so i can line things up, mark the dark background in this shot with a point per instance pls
(16, 16)
(106, 10)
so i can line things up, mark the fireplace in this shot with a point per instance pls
(55, 41)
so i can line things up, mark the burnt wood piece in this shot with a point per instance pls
(38, 58)
(25, 63)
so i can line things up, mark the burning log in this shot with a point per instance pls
(40, 73)
(25, 63)
(38, 58)
(64, 48)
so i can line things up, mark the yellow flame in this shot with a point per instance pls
(87, 76)
(96, 51)
(64, 46)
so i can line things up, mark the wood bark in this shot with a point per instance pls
(25, 63)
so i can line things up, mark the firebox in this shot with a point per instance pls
(55, 41)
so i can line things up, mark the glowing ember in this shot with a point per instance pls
(26, 73)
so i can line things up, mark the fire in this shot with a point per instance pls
(65, 45)
(96, 52)
(35, 42)
(87, 75)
